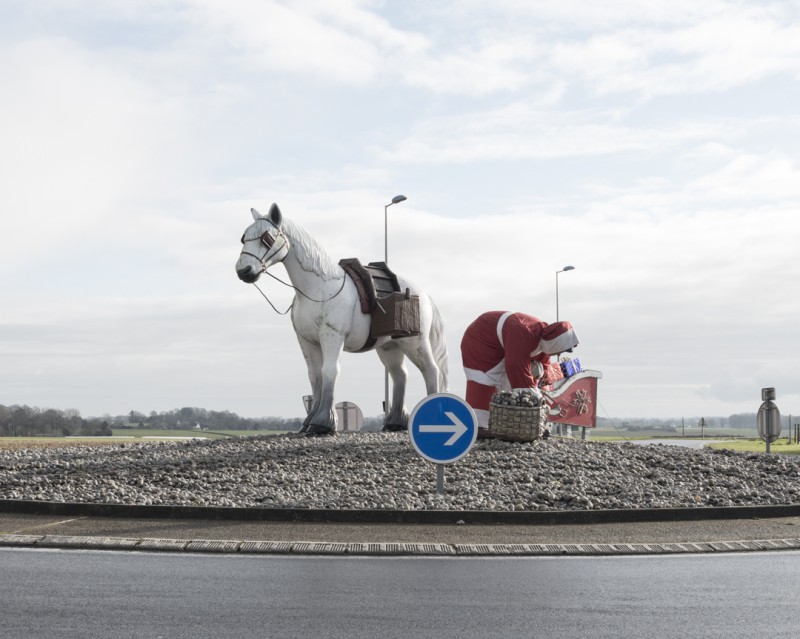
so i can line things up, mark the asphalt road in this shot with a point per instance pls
(112, 595)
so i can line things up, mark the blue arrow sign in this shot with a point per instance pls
(443, 428)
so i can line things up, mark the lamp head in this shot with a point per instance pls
(398, 198)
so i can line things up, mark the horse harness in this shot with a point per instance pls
(268, 240)
(375, 283)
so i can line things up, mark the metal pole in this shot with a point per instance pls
(440, 478)
(386, 234)
(395, 200)
(557, 272)
(386, 261)
(566, 268)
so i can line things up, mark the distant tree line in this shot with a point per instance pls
(27, 421)
(189, 417)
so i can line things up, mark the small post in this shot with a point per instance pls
(439, 478)
(768, 419)
(584, 433)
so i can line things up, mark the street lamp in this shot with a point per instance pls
(566, 268)
(395, 200)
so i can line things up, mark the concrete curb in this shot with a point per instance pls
(388, 549)
(312, 515)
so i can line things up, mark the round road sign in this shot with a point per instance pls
(443, 428)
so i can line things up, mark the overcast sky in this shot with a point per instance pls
(653, 145)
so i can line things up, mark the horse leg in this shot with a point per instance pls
(421, 355)
(323, 419)
(312, 353)
(392, 358)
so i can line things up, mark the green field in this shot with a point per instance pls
(656, 433)
(122, 435)
(782, 446)
(139, 433)
(207, 434)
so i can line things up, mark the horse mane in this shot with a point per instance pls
(311, 256)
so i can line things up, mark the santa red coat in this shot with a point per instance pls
(497, 350)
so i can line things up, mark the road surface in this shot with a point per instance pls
(113, 595)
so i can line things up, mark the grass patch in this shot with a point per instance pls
(14, 443)
(138, 433)
(123, 435)
(208, 434)
(781, 446)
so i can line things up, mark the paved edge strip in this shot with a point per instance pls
(316, 515)
(389, 549)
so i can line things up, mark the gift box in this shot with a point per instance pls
(570, 366)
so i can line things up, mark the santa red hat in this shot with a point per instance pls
(557, 338)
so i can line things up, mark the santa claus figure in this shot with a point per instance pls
(502, 350)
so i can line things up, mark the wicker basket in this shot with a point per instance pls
(516, 423)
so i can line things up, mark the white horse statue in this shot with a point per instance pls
(327, 317)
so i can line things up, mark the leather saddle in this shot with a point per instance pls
(373, 281)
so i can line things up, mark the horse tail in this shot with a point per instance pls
(439, 347)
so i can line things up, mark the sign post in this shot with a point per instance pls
(442, 428)
(768, 419)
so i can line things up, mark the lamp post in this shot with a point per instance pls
(560, 427)
(395, 200)
(566, 268)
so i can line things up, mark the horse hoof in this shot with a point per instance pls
(394, 428)
(319, 431)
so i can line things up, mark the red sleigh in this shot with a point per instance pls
(573, 400)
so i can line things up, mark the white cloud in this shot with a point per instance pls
(519, 131)
(77, 142)
(715, 53)
(138, 135)
(749, 177)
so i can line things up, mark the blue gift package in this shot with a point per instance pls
(570, 367)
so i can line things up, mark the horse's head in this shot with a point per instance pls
(263, 244)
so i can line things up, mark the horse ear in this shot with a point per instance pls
(275, 216)
(256, 215)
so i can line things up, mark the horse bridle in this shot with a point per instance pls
(268, 240)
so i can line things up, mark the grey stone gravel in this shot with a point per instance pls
(382, 471)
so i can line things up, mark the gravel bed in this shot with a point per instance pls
(382, 471)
